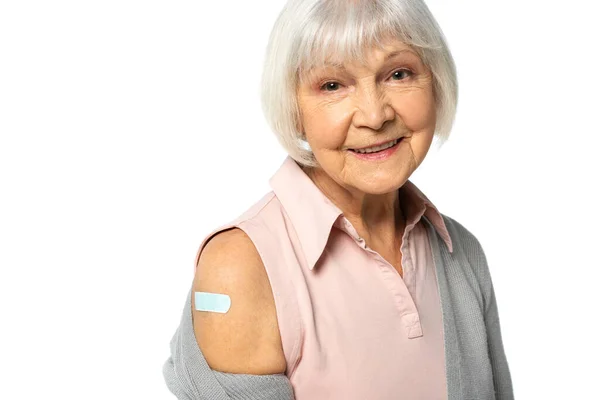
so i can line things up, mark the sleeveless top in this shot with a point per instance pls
(351, 327)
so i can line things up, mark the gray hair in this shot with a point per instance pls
(308, 31)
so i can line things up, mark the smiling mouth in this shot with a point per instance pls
(377, 149)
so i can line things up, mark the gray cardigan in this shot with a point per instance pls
(476, 366)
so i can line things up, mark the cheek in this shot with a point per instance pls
(417, 110)
(327, 127)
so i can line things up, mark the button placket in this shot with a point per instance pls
(398, 287)
(410, 320)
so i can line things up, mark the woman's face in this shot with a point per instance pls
(355, 106)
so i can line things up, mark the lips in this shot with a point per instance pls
(377, 147)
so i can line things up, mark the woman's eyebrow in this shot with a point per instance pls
(397, 52)
(338, 64)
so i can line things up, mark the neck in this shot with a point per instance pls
(378, 218)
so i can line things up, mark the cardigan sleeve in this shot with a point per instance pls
(502, 378)
(189, 377)
(501, 373)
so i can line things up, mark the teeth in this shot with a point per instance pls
(377, 148)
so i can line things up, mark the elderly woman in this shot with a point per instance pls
(345, 281)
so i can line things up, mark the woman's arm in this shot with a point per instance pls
(245, 339)
(189, 377)
(502, 378)
(245, 357)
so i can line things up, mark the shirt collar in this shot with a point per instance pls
(312, 214)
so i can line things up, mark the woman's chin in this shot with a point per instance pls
(381, 185)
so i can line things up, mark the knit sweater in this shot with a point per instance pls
(476, 365)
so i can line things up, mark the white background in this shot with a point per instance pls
(131, 129)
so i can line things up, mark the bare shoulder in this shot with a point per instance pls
(246, 338)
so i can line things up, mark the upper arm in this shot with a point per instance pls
(246, 338)
(500, 369)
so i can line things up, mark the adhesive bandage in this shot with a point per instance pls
(213, 302)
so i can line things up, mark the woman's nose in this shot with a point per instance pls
(373, 109)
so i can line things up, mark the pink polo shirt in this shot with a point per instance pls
(350, 325)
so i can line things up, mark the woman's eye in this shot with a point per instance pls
(330, 86)
(398, 75)
(400, 72)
